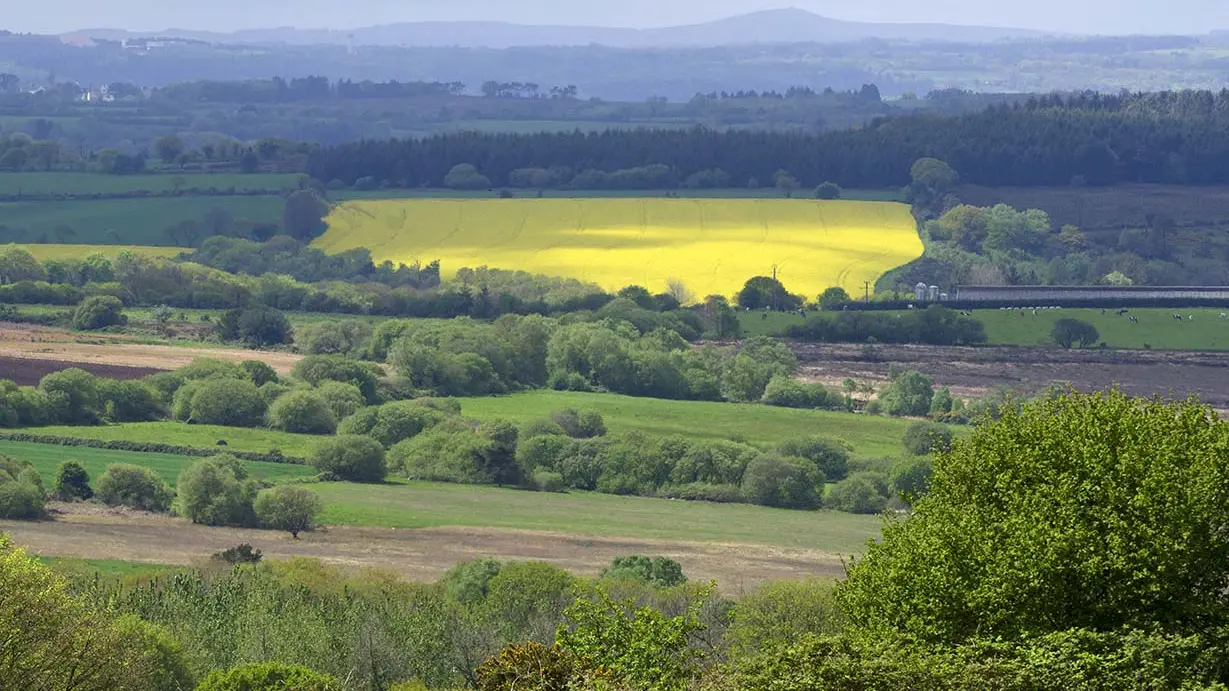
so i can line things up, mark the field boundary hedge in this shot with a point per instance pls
(149, 447)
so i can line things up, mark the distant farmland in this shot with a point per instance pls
(710, 245)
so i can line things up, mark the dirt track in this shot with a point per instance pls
(972, 371)
(28, 352)
(420, 555)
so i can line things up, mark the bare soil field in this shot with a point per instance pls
(89, 532)
(39, 350)
(970, 372)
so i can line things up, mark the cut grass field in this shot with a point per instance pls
(46, 458)
(97, 183)
(870, 436)
(105, 569)
(137, 221)
(194, 436)
(424, 505)
(710, 245)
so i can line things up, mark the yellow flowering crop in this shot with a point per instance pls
(710, 245)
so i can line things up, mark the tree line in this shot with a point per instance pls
(1176, 138)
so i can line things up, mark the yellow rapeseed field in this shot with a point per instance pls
(711, 245)
(43, 252)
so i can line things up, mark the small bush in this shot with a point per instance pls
(857, 494)
(216, 491)
(661, 572)
(288, 508)
(226, 402)
(302, 412)
(395, 422)
(133, 486)
(831, 457)
(580, 424)
(268, 676)
(72, 482)
(925, 438)
(703, 491)
(828, 190)
(530, 666)
(99, 312)
(353, 458)
(343, 399)
(20, 501)
(788, 483)
(240, 554)
(548, 481)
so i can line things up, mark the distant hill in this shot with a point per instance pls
(772, 26)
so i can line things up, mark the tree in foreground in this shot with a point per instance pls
(54, 640)
(1097, 512)
(288, 508)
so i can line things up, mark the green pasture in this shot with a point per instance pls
(105, 569)
(46, 458)
(1156, 328)
(422, 505)
(870, 436)
(137, 221)
(253, 440)
(96, 183)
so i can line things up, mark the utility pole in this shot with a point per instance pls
(868, 291)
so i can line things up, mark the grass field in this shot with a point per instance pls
(106, 569)
(195, 436)
(135, 221)
(96, 183)
(870, 436)
(420, 505)
(47, 458)
(711, 245)
(1156, 328)
(52, 251)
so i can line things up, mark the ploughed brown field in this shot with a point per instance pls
(27, 353)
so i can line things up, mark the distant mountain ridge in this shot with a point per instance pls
(770, 26)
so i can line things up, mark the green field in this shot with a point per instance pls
(46, 458)
(95, 183)
(870, 436)
(107, 569)
(421, 505)
(135, 221)
(1157, 329)
(195, 436)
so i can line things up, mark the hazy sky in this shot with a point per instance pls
(1077, 16)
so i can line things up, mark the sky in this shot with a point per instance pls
(1071, 16)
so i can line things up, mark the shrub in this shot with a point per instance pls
(72, 482)
(909, 394)
(239, 554)
(1069, 332)
(288, 508)
(788, 483)
(530, 666)
(911, 478)
(133, 486)
(469, 581)
(226, 402)
(857, 494)
(99, 312)
(786, 392)
(257, 327)
(831, 457)
(833, 298)
(392, 423)
(343, 399)
(661, 572)
(584, 424)
(828, 190)
(268, 676)
(216, 491)
(73, 394)
(128, 401)
(548, 481)
(779, 613)
(20, 501)
(315, 369)
(703, 491)
(460, 452)
(259, 372)
(302, 412)
(925, 438)
(351, 457)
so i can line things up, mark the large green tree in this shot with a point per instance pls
(1080, 511)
